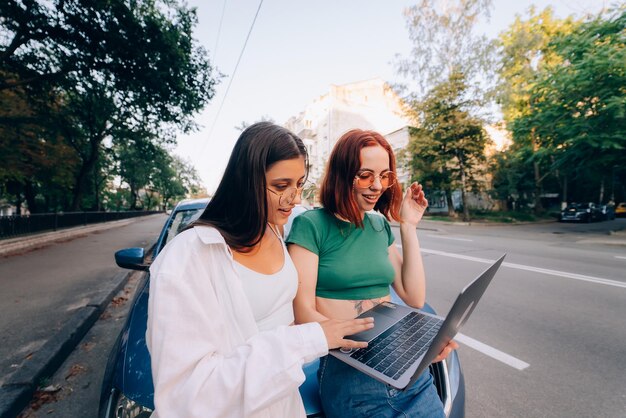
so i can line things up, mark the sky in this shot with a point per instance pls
(296, 50)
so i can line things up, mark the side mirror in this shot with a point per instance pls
(131, 258)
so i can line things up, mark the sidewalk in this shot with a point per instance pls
(33, 241)
(52, 295)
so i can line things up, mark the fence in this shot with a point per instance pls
(12, 226)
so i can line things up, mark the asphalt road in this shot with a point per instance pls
(40, 289)
(74, 390)
(557, 305)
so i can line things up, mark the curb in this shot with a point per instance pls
(18, 390)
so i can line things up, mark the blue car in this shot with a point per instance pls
(127, 389)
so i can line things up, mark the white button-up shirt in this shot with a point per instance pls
(208, 357)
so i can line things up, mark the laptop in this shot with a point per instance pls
(405, 341)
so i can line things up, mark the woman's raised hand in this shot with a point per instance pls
(414, 204)
(336, 329)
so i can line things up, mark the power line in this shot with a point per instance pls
(219, 31)
(232, 77)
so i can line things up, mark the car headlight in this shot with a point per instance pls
(119, 406)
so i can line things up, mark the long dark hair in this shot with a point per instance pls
(239, 207)
(344, 162)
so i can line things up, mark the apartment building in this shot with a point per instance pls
(370, 104)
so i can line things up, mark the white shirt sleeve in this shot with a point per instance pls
(194, 375)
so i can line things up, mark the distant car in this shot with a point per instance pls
(607, 212)
(127, 388)
(620, 210)
(581, 212)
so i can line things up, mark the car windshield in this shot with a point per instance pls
(181, 219)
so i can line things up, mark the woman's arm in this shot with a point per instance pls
(304, 305)
(410, 280)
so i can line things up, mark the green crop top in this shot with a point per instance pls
(353, 262)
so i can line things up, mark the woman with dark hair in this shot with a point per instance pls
(220, 316)
(346, 260)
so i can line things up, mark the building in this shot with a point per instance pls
(370, 104)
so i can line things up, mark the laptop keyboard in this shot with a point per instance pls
(396, 349)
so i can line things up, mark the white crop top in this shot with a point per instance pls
(271, 295)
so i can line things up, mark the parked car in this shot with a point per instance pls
(620, 210)
(581, 212)
(127, 388)
(607, 212)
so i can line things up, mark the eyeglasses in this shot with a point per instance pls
(365, 179)
(287, 197)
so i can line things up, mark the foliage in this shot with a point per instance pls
(113, 68)
(448, 147)
(35, 157)
(564, 100)
(444, 42)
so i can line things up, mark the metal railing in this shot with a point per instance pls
(14, 226)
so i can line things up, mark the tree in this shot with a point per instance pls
(137, 163)
(175, 179)
(578, 105)
(448, 147)
(524, 51)
(118, 66)
(447, 58)
(443, 43)
(571, 110)
(37, 162)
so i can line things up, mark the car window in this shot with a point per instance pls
(181, 219)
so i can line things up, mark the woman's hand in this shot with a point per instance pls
(336, 329)
(452, 345)
(414, 205)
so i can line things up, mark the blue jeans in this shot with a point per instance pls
(347, 392)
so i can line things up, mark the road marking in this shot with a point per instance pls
(477, 345)
(492, 352)
(619, 256)
(550, 272)
(451, 238)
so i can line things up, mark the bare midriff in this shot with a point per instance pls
(346, 309)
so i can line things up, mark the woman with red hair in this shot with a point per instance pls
(346, 260)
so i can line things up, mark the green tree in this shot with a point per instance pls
(118, 66)
(448, 147)
(37, 162)
(577, 106)
(525, 52)
(175, 179)
(443, 42)
(137, 161)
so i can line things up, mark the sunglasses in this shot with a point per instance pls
(365, 179)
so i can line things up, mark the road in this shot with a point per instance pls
(557, 306)
(40, 289)
(551, 324)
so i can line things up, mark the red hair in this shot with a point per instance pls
(336, 192)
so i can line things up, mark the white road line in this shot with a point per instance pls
(492, 352)
(619, 256)
(550, 272)
(451, 238)
(477, 345)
